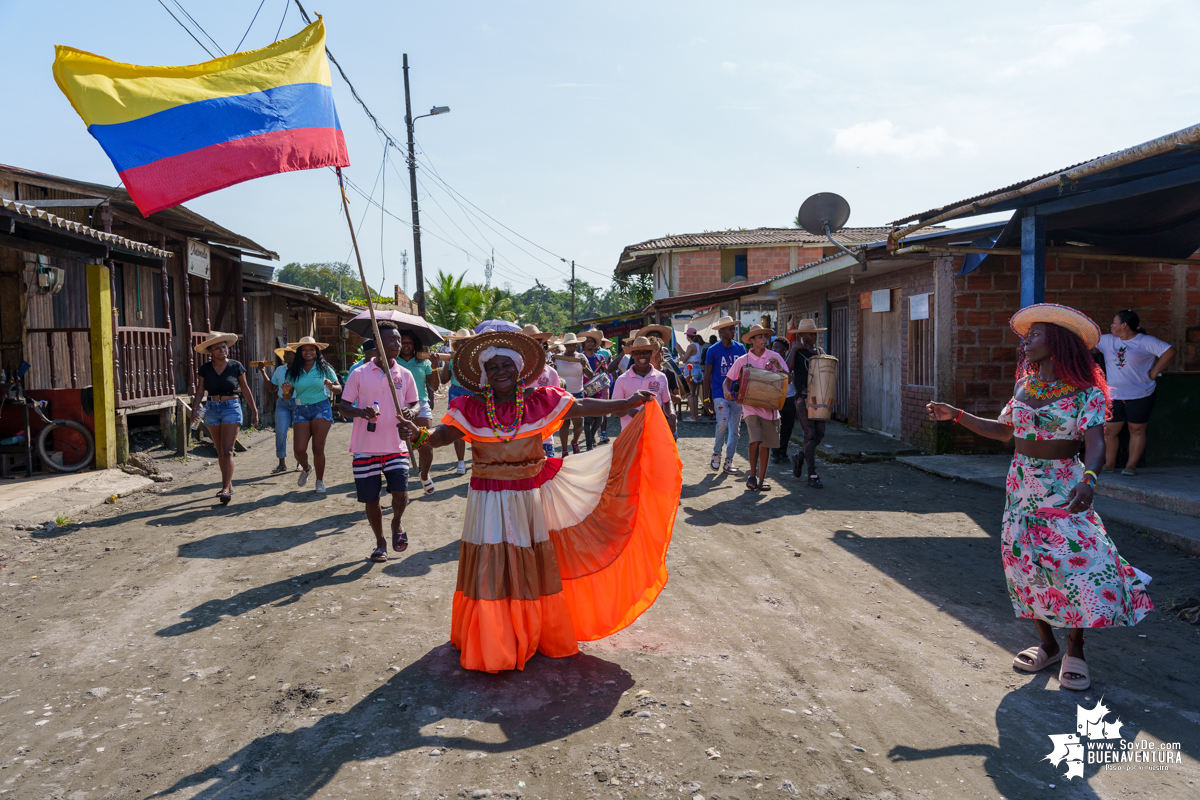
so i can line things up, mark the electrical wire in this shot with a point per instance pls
(186, 28)
(287, 4)
(198, 25)
(382, 204)
(251, 25)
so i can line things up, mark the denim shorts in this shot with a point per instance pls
(458, 391)
(321, 410)
(223, 412)
(426, 411)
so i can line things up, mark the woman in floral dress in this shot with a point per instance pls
(1061, 568)
(553, 551)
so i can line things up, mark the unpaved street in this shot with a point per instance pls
(847, 643)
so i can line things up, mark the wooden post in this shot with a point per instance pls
(1033, 260)
(207, 314)
(168, 427)
(122, 438)
(181, 427)
(104, 395)
(187, 329)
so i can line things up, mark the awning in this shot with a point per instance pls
(41, 218)
(702, 299)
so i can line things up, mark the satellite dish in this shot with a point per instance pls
(821, 210)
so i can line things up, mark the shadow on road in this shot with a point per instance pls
(483, 714)
(421, 563)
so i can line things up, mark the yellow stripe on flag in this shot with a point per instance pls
(105, 92)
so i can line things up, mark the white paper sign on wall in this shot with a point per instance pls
(881, 300)
(918, 307)
(198, 261)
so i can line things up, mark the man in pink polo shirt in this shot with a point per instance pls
(380, 453)
(642, 375)
(761, 424)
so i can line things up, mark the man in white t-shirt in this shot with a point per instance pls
(1133, 361)
(642, 375)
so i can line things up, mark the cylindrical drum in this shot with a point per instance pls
(822, 386)
(596, 385)
(761, 388)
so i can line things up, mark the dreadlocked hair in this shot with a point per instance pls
(296, 368)
(1073, 363)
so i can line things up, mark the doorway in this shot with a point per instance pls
(839, 348)
(881, 364)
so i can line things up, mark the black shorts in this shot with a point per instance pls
(369, 472)
(1134, 411)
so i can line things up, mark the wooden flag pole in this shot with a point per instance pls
(367, 293)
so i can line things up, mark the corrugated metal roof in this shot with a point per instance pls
(78, 227)
(757, 236)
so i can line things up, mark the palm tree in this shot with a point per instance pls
(495, 303)
(452, 303)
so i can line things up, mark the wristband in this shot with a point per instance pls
(421, 437)
(1087, 472)
(961, 411)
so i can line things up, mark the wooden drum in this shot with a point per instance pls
(822, 386)
(761, 388)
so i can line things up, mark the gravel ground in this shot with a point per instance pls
(853, 642)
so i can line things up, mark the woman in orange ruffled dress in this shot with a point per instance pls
(553, 552)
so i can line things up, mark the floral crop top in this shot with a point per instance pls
(1064, 419)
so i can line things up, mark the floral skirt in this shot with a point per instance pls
(1061, 567)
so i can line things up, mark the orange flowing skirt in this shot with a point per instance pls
(574, 554)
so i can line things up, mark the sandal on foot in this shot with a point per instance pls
(399, 541)
(224, 497)
(1079, 667)
(763, 486)
(751, 484)
(378, 555)
(1128, 472)
(429, 486)
(279, 469)
(1038, 660)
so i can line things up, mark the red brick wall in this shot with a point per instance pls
(700, 270)
(329, 328)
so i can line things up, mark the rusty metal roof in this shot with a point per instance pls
(79, 228)
(757, 237)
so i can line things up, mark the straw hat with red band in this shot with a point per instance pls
(215, 339)
(466, 357)
(1076, 322)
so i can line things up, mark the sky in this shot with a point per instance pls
(579, 128)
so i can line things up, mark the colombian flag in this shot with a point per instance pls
(175, 133)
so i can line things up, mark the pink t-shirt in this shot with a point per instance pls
(367, 385)
(549, 377)
(769, 360)
(630, 383)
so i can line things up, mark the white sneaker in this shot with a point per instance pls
(462, 468)
(303, 479)
(320, 487)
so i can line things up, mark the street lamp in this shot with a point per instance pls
(409, 119)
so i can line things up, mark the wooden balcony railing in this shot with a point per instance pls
(59, 358)
(145, 363)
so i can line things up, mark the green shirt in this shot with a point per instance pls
(309, 387)
(420, 369)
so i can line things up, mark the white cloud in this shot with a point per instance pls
(729, 66)
(882, 138)
(1060, 45)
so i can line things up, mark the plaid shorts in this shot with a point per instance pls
(369, 472)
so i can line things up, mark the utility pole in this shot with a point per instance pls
(572, 294)
(412, 188)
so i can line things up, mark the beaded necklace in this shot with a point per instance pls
(503, 433)
(1047, 390)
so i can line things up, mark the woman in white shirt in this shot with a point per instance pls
(1133, 361)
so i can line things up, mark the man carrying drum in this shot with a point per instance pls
(762, 424)
(814, 429)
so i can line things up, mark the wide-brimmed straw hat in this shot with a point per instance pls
(724, 322)
(639, 343)
(307, 340)
(593, 334)
(606, 343)
(461, 333)
(756, 330)
(281, 351)
(1076, 322)
(664, 333)
(466, 361)
(536, 333)
(569, 338)
(215, 339)
(807, 326)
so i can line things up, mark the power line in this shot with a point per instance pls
(251, 25)
(198, 25)
(186, 28)
(287, 4)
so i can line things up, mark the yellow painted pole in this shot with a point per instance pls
(104, 395)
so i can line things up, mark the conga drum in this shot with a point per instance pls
(596, 385)
(822, 386)
(761, 388)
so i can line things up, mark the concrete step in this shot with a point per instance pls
(1178, 530)
(1170, 489)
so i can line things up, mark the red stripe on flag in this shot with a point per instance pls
(177, 179)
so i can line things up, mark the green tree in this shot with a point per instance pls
(336, 280)
(452, 303)
(495, 303)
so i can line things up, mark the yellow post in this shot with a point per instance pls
(104, 395)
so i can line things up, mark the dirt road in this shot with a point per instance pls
(847, 643)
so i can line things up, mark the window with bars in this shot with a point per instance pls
(920, 348)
